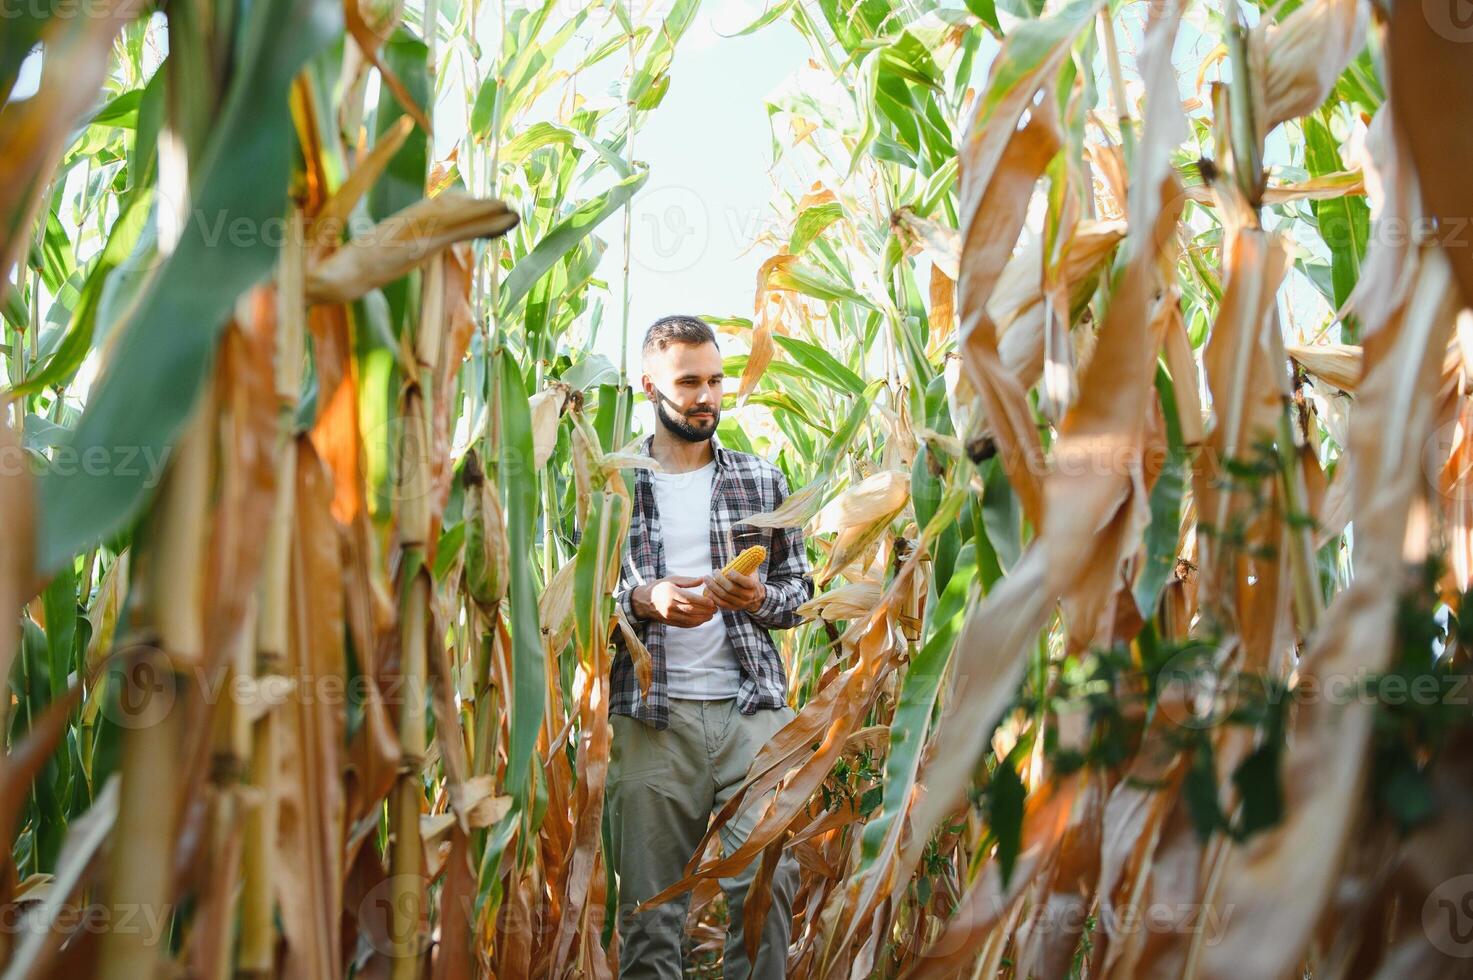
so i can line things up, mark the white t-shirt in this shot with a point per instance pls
(700, 661)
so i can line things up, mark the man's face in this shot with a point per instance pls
(684, 383)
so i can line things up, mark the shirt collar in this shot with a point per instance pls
(721, 453)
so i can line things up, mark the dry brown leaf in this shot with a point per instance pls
(331, 220)
(1431, 91)
(1135, 813)
(796, 510)
(883, 493)
(555, 607)
(1245, 405)
(942, 311)
(369, 36)
(335, 433)
(759, 356)
(1325, 188)
(247, 483)
(855, 550)
(458, 942)
(846, 602)
(1096, 497)
(1390, 265)
(1338, 365)
(402, 242)
(1108, 160)
(546, 409)
(815, 195)
(1021, 283)
(860, 516)
(827, 718)
(988, 901)
(446, 294)
(989, 232)
(1183, 368)
(1325, 768)
(577, 871)
(943, 244)
(1071, 554)
(1455, 483)
(17, 499)
(638, 652)
(1019, 306)
(1302, 57)
(313, 730)
(1049, 933)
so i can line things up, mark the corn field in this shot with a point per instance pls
(1119, 354)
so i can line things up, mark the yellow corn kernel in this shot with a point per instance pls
(747, 561)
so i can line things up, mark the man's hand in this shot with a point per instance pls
(733, 590)
(670, 602)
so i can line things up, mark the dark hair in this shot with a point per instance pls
(677, 329)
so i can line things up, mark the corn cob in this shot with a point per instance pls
(747, 561)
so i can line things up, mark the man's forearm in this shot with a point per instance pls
(639, 606)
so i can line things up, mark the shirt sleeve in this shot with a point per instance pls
(624, 596)
(789, 579)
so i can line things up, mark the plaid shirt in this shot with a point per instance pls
(743, 485)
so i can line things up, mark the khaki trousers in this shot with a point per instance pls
(663, 788)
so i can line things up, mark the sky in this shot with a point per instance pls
(711, 177)
(708, 146)
(707, 197)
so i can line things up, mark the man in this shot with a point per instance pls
(719, 689)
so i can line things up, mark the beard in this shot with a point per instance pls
(681, 427)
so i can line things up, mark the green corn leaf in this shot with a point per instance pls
(917, 700)
(812, 222)
(242, 177)
(517, 478)
(564, 237)
(1166, 500)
